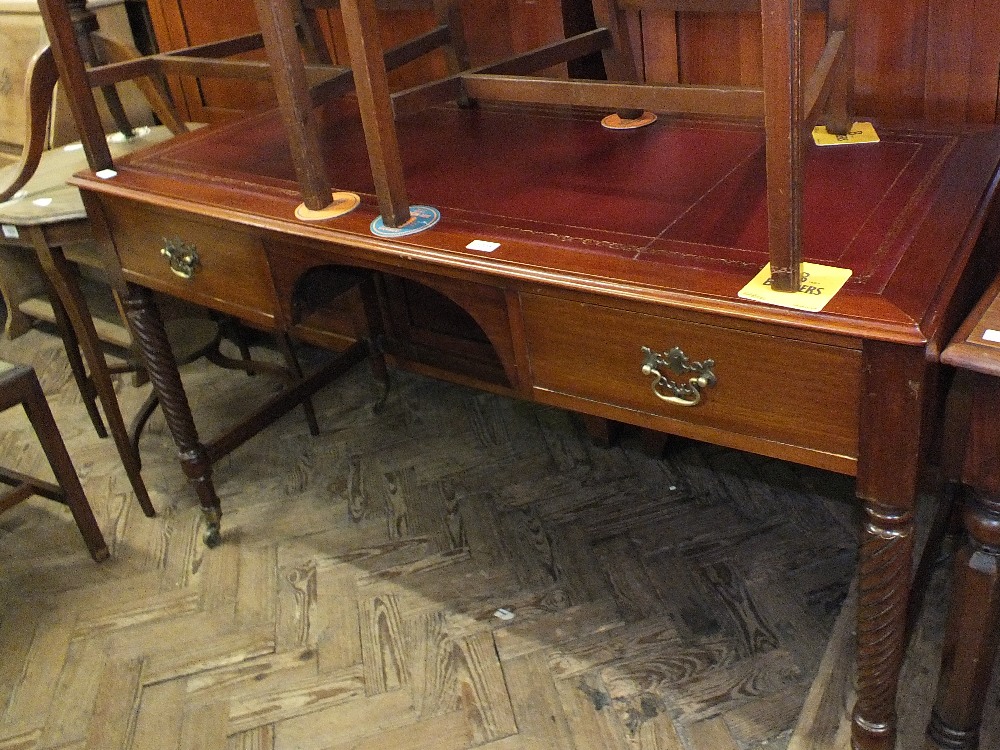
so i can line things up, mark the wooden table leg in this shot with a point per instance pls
(151, 337)
(72, 346)
(899, 386)
(883, 595)
(971, 636)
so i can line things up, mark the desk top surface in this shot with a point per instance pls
(666, 212)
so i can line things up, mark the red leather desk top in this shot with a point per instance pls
(664, 205)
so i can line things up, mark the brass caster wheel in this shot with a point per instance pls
(212, 536)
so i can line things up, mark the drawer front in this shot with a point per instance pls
(789, 394)
(231, 272)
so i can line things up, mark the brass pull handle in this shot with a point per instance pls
(183, 258)
(665, 387)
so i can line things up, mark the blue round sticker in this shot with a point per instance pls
(421, 218)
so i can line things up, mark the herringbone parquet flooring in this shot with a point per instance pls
(456, 570)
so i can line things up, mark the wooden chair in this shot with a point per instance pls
(19, 385)
(298, 65)
(788, 100)
(44, 216)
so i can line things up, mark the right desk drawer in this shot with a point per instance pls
(767, 389)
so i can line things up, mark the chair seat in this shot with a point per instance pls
(46, 198)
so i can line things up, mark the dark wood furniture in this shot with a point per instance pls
(614, 289)
(44, 216)
(973, 629)
(566, 305)
(19, 386)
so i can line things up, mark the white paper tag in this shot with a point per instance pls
(991, 334)
(106, 174)
(10, 232)
(486, 247)
(504, 614)
(42, 202)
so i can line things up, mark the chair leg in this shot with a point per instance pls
(60, 273)
(88, 393)
(40, 416)
(288, 352)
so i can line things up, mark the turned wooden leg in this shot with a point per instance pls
(970, 645)
(151, 336)
(884, 591)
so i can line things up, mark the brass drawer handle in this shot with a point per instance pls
(183, 258)
(682, 394)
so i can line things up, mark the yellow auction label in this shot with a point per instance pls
(860, 132)
(819, 285)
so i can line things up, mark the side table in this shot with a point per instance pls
(971, 637)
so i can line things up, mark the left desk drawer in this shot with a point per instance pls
(210, 264)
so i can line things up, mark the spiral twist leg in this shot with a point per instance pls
(884, 592)
(144, 317)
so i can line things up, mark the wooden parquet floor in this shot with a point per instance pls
(456, 570)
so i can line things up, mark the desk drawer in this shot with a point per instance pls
(231, 274)
(772, 395)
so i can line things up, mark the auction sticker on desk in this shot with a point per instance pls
(819, 285)
(421, 218)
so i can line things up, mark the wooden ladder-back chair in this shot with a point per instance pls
(788, 101)
(298, 65)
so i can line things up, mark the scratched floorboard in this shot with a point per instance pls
(684, 602)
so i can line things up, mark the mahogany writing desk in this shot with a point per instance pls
(609, 243)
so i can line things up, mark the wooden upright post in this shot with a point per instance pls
(372, 86)
(73, 74)
(288, 74)
(781, 24)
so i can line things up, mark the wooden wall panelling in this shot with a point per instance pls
(726, 49)
(659, 46)
(891, 58)
(183, 23)
(495, 29)
(915, 59)
(937, 60)
(963, 59)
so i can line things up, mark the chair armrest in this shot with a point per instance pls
(42, 76)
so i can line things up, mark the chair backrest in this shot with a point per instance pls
(38, 87)
(302, 42)
(38, 97)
